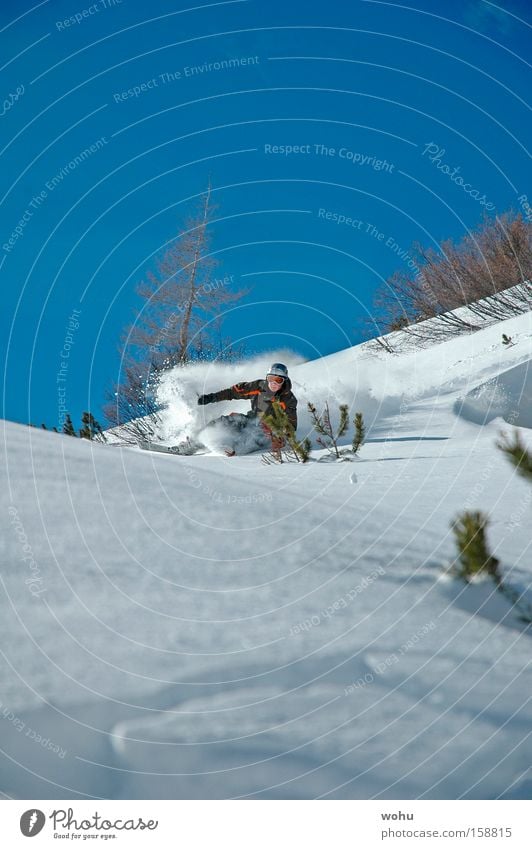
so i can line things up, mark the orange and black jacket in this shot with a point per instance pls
(261, 398)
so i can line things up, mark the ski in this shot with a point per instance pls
(183, 450)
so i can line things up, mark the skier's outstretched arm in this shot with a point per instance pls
(232, 393)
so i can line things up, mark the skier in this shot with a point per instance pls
(277, 386)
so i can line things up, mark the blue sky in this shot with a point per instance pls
(379, 102)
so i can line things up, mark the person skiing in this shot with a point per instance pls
(277, 386)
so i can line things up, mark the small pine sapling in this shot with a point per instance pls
(470, 528)
(322, 425)
(284, 438)
(305, 448)
(507, 340)
(473, 554)
(360, 433)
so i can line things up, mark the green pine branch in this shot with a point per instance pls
(344, 420)
(517, 453)
(360, 432)
(282, 428)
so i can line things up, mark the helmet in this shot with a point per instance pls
(279, 369)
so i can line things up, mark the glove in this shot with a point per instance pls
(205, 399)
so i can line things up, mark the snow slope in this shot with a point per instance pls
(203, 627)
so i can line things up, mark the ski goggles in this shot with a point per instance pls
(275, 379)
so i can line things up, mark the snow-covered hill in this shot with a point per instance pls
(183, 627)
